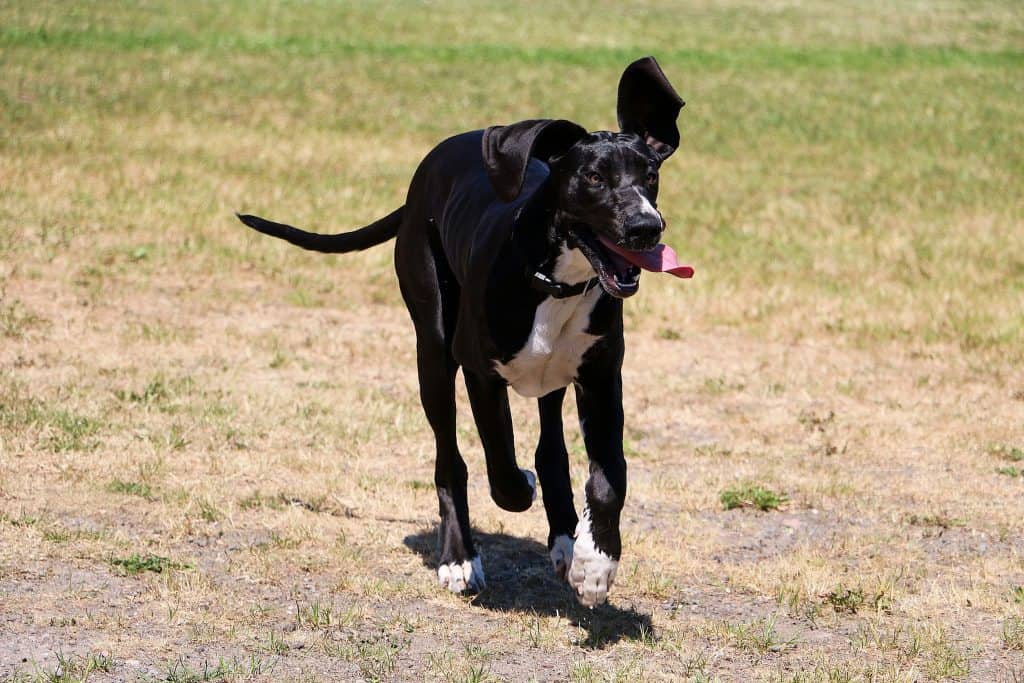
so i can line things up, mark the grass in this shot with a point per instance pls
(131, 488)
(136, 564)
(173, 386)
(751, 495)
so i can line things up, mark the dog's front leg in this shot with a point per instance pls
(552, 462)
(513, 489)
(598, 543)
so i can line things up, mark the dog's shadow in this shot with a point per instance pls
(520, 579)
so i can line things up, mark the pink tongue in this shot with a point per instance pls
(660, 259)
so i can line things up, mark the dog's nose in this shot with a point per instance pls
(643, 234)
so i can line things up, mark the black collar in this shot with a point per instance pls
(540, 281)
(560, 290)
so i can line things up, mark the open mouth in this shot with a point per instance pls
(617, 274)
(618, 269)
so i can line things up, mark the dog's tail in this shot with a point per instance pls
(375, 233)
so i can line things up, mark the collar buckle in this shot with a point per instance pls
(560, 290)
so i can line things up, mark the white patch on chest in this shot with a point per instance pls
(553, 351)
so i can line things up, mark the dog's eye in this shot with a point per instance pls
(652, 178)
(594, 178)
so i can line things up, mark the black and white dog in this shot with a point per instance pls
(515, 248)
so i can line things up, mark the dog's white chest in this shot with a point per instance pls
(554, 350)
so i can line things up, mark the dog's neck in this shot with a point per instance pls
(554, 265)
(546, 237)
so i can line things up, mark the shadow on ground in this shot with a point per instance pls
(520, 579)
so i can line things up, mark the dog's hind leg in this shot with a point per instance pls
(459, 568)
(513, 489)
(431, 307)
(552, 461)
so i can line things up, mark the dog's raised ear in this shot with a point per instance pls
(507, 150)
(648, 106)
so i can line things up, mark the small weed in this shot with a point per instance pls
(1010, 471)
(70, 432)
(533, 633)
(208, 511)
(851, 600)
(696, 667)
(713, 450)
(15, 320)
(938, 520)
(717, 386)
(56, 536)
(815, 422)
(313, 504)
(752, 495)
(1007, 452)
(21, 520)
(284, 542)
(173, 439)
(161, 334)
(274, 645)
(846, 599)
(946, 662)
(377, 655)
(131, 488)
(223, 671)
(659, 585)
(1018, 594)
(582, 671)
(137, 564)
(669, 334)
(757, 636)
(792, 594)
(1013, 632)
(155, 391)
(77, 669)
(316, 616)
(477, 674)
(256, 501)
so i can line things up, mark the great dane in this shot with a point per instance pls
(515, 248)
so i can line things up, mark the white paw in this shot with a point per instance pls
(561, 555)
(592, 572)
(531, 479)
(462, 577)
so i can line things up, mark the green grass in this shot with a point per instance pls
(751, 495)
(853, 172)
(136, 564)
(131, 488)
(1007, 452)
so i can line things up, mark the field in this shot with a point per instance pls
(213, 463)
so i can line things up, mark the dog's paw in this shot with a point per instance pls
(592, 572)
(515, 496)
(462, 577)
(561, 555)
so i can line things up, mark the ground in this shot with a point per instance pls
(213, 464)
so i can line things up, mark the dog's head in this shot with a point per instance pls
(605, 183)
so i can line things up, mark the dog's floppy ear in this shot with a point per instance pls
(507, 150)
(648, 106)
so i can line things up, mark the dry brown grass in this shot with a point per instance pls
(278, 451)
